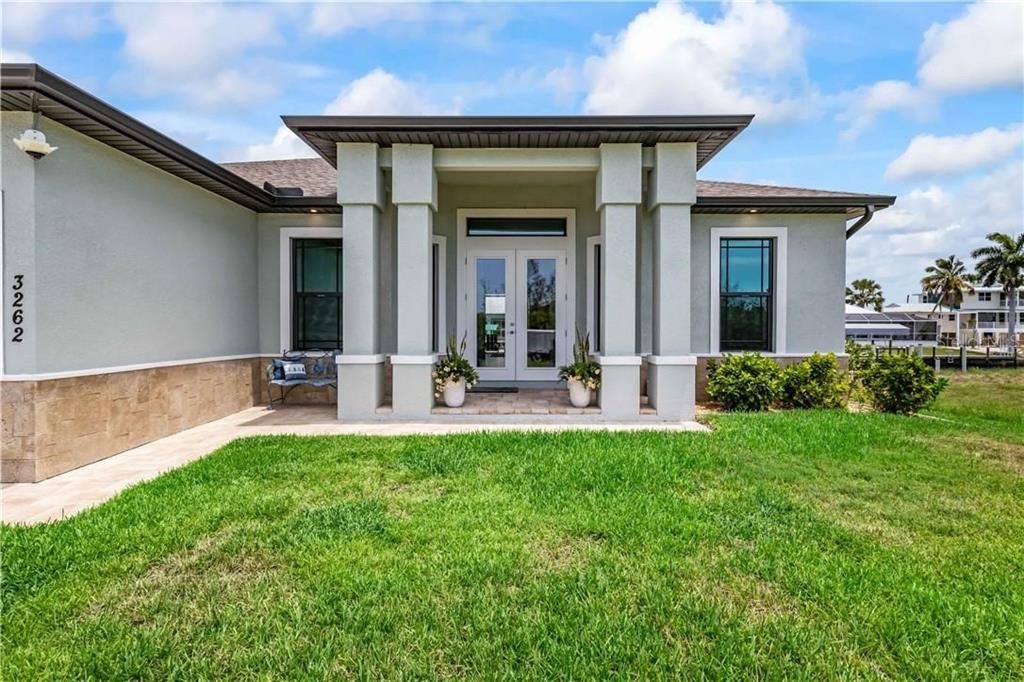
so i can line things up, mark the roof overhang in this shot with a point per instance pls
(31, 88)
(710, 133)
(850, 206)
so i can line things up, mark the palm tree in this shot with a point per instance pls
(948, 281)
(1002, 263)
(866, 293)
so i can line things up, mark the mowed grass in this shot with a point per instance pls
(785, 545)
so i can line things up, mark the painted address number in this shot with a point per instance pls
(18, 308)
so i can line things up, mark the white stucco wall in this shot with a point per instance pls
(126, 264)
(131, 265)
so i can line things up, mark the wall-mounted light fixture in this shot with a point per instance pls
(33, 143)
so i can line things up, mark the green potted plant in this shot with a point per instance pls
(583, 375)
(453, 374)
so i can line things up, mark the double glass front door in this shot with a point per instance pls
(517, 313)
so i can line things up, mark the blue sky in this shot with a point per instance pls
(922, 100)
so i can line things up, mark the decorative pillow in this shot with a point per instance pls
(278, 370)
(294, 370)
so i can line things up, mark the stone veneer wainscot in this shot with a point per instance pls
(55, 425)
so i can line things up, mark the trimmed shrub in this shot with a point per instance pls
(813, 383)
(901, 384)
(744, 383)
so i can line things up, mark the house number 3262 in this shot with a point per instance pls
(18, 308)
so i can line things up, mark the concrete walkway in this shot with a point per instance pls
(69, 493)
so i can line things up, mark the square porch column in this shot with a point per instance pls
(618, 201)
(672, 368)
(361, 364)
(414, 193)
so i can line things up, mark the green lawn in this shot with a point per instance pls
(802, 545)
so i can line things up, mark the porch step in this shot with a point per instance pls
(511, 410)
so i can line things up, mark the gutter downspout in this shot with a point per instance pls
(869, 213)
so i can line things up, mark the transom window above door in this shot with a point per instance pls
(516, 227)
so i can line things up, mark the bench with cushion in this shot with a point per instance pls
(314, 368)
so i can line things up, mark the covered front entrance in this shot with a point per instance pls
(517, 312)
(515, 291)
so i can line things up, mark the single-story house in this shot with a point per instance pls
(868, 326)
(146, 287)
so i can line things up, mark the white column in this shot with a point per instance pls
(671, 377)
(618, 200)
(361, 365)
(414, 193)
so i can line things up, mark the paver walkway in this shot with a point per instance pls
(71, 492)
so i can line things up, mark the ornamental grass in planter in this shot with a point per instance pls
(453, 374)
(583, 375)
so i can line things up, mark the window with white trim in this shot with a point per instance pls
(749, 312)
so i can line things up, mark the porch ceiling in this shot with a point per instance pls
(710, 133)
(517, 178)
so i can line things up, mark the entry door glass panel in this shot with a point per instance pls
(492, 312)
(541, 324)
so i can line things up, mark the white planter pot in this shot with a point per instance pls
(579, 394)
(455, 393)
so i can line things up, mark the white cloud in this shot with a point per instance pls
(26, 23)
(867, 103)
(931, 155)
(461, 23)
(188, 49)
(188, 39)
(377, 93)
(983, 48)
(336, 18)
(382, 93)
(934, 221)
(15, 56)
(669, 60)
(284, 145)
(198, 131)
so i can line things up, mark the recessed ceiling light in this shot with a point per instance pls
(312, 210)
(753, 210)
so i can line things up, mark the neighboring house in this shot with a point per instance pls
(983, 318)
(888, 327)
(935, 323)
(152, 285)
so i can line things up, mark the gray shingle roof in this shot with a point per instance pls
(316, 178)
(712, 188)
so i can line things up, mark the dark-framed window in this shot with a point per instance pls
(316, 294)
(746, 294)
